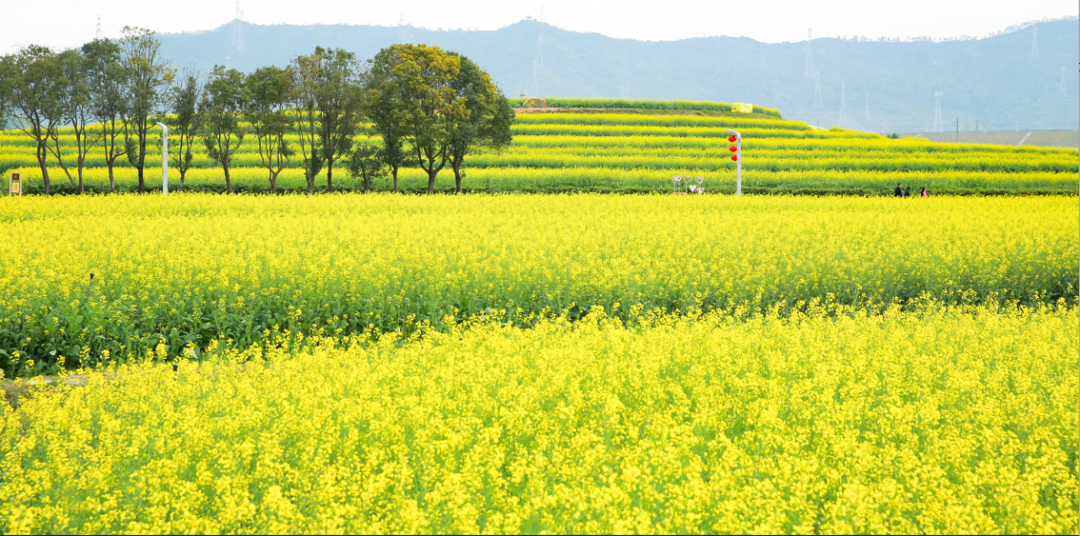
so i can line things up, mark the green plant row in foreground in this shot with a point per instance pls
(194, 268)
(944, 422)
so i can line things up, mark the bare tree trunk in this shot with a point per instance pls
(273, 183)
(431, 180)
(329, 175)
(228, 179)
(60, 160)
(183, 172)
(82, 158)
(142, 183)
(41, 156)
(457, 176)
(112, 180)
(395, 179)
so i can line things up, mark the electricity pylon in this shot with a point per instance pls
(843, 104)
(238, 28)
(939, 123)
(817, 91)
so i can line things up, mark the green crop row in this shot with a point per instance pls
(684, 105)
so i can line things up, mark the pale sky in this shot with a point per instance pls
(68, 23)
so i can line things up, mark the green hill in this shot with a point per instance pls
(996, 80)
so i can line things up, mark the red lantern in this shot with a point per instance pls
(733, 148)
(731, 139)
(735, 157)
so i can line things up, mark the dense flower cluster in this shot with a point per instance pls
(946, 421)
(185, 270)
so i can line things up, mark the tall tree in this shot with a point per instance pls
(221, 107)
(386, 113)
(76, 107)
(420, 78)
(339, 97)
(148, 73)
(37, 88)
(366, 163)
(6, 76)
(109, 97)
(305, 70)
(183, 120)
(488, 119)
(269, 90)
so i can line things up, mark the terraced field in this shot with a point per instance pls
(640, 149)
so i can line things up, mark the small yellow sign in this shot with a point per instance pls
(742, 108)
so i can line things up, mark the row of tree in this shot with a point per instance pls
(430, 108)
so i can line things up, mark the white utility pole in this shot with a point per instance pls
(164, 158)
(738, 161)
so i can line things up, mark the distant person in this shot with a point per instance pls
(907, 192)
(898, 192)
(923, 193)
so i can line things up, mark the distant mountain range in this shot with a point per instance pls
(1025, 78)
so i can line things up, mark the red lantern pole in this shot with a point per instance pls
(737, 157)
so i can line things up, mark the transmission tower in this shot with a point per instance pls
(843, 104)
(939, 123)
(97, 35)
(866, 122)
(1035, 43)
(817, 91)
(535, 86)
(810, 55)
(538, 61)
(540, 40)
(238, 28)
(402, 35)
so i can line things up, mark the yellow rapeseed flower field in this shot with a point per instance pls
(959, 420)
(191, 269)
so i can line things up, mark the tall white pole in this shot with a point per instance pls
(164, 158)
(738, 161)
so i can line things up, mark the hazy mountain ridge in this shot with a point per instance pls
(995, 79)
